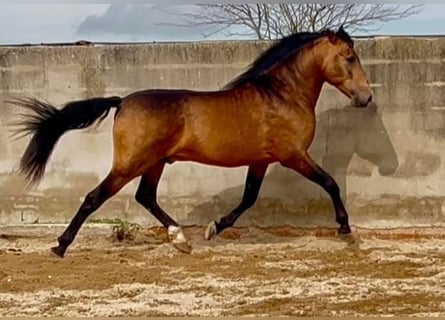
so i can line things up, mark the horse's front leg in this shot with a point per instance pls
(254, 179)
(306, 166)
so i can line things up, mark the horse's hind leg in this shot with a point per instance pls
(94, 199)
(146, 195)
(304, 165)
(255, 176)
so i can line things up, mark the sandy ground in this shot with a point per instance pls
(241, 272)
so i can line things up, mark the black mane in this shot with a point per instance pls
(282, 50)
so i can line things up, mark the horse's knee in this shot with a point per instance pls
(140, 197)
(331, 186)
(249, 202)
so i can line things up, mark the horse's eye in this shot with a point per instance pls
(351, 59)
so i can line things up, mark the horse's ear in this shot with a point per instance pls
(341, 29)
(343, 35)
(332, 37)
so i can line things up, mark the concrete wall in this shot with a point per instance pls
(387, 159)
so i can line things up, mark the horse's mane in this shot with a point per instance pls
(280, 51)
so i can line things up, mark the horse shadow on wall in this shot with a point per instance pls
(287, 198)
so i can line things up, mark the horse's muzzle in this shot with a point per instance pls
(362, 99)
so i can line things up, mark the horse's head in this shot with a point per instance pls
(342, 67)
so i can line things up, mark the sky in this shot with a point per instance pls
(101, 22)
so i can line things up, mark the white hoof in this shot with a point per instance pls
(210, 230)
(178, 239)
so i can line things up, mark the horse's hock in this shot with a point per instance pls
(387, 159)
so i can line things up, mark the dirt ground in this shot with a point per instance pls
(243, 271)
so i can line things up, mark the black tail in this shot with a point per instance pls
(47, 124)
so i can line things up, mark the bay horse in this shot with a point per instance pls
(265, 115)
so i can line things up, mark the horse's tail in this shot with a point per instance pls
(47, 124)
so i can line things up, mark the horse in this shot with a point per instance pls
(265, 115)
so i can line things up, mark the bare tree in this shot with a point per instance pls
(272, 21)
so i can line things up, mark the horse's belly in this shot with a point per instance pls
(223, 157)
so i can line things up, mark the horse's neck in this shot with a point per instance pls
(301, 80)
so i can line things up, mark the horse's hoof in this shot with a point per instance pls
(178, 239)
(210, 230)
(344, 230)
(183, 246)
(348, 238)
(58, 251)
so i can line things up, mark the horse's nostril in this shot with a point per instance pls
(370, 99)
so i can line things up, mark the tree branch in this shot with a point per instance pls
(272, 21)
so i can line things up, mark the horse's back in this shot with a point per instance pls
(214, 127)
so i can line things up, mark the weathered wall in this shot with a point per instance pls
(387, 159)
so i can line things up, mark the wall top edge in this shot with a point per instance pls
(92, 43)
